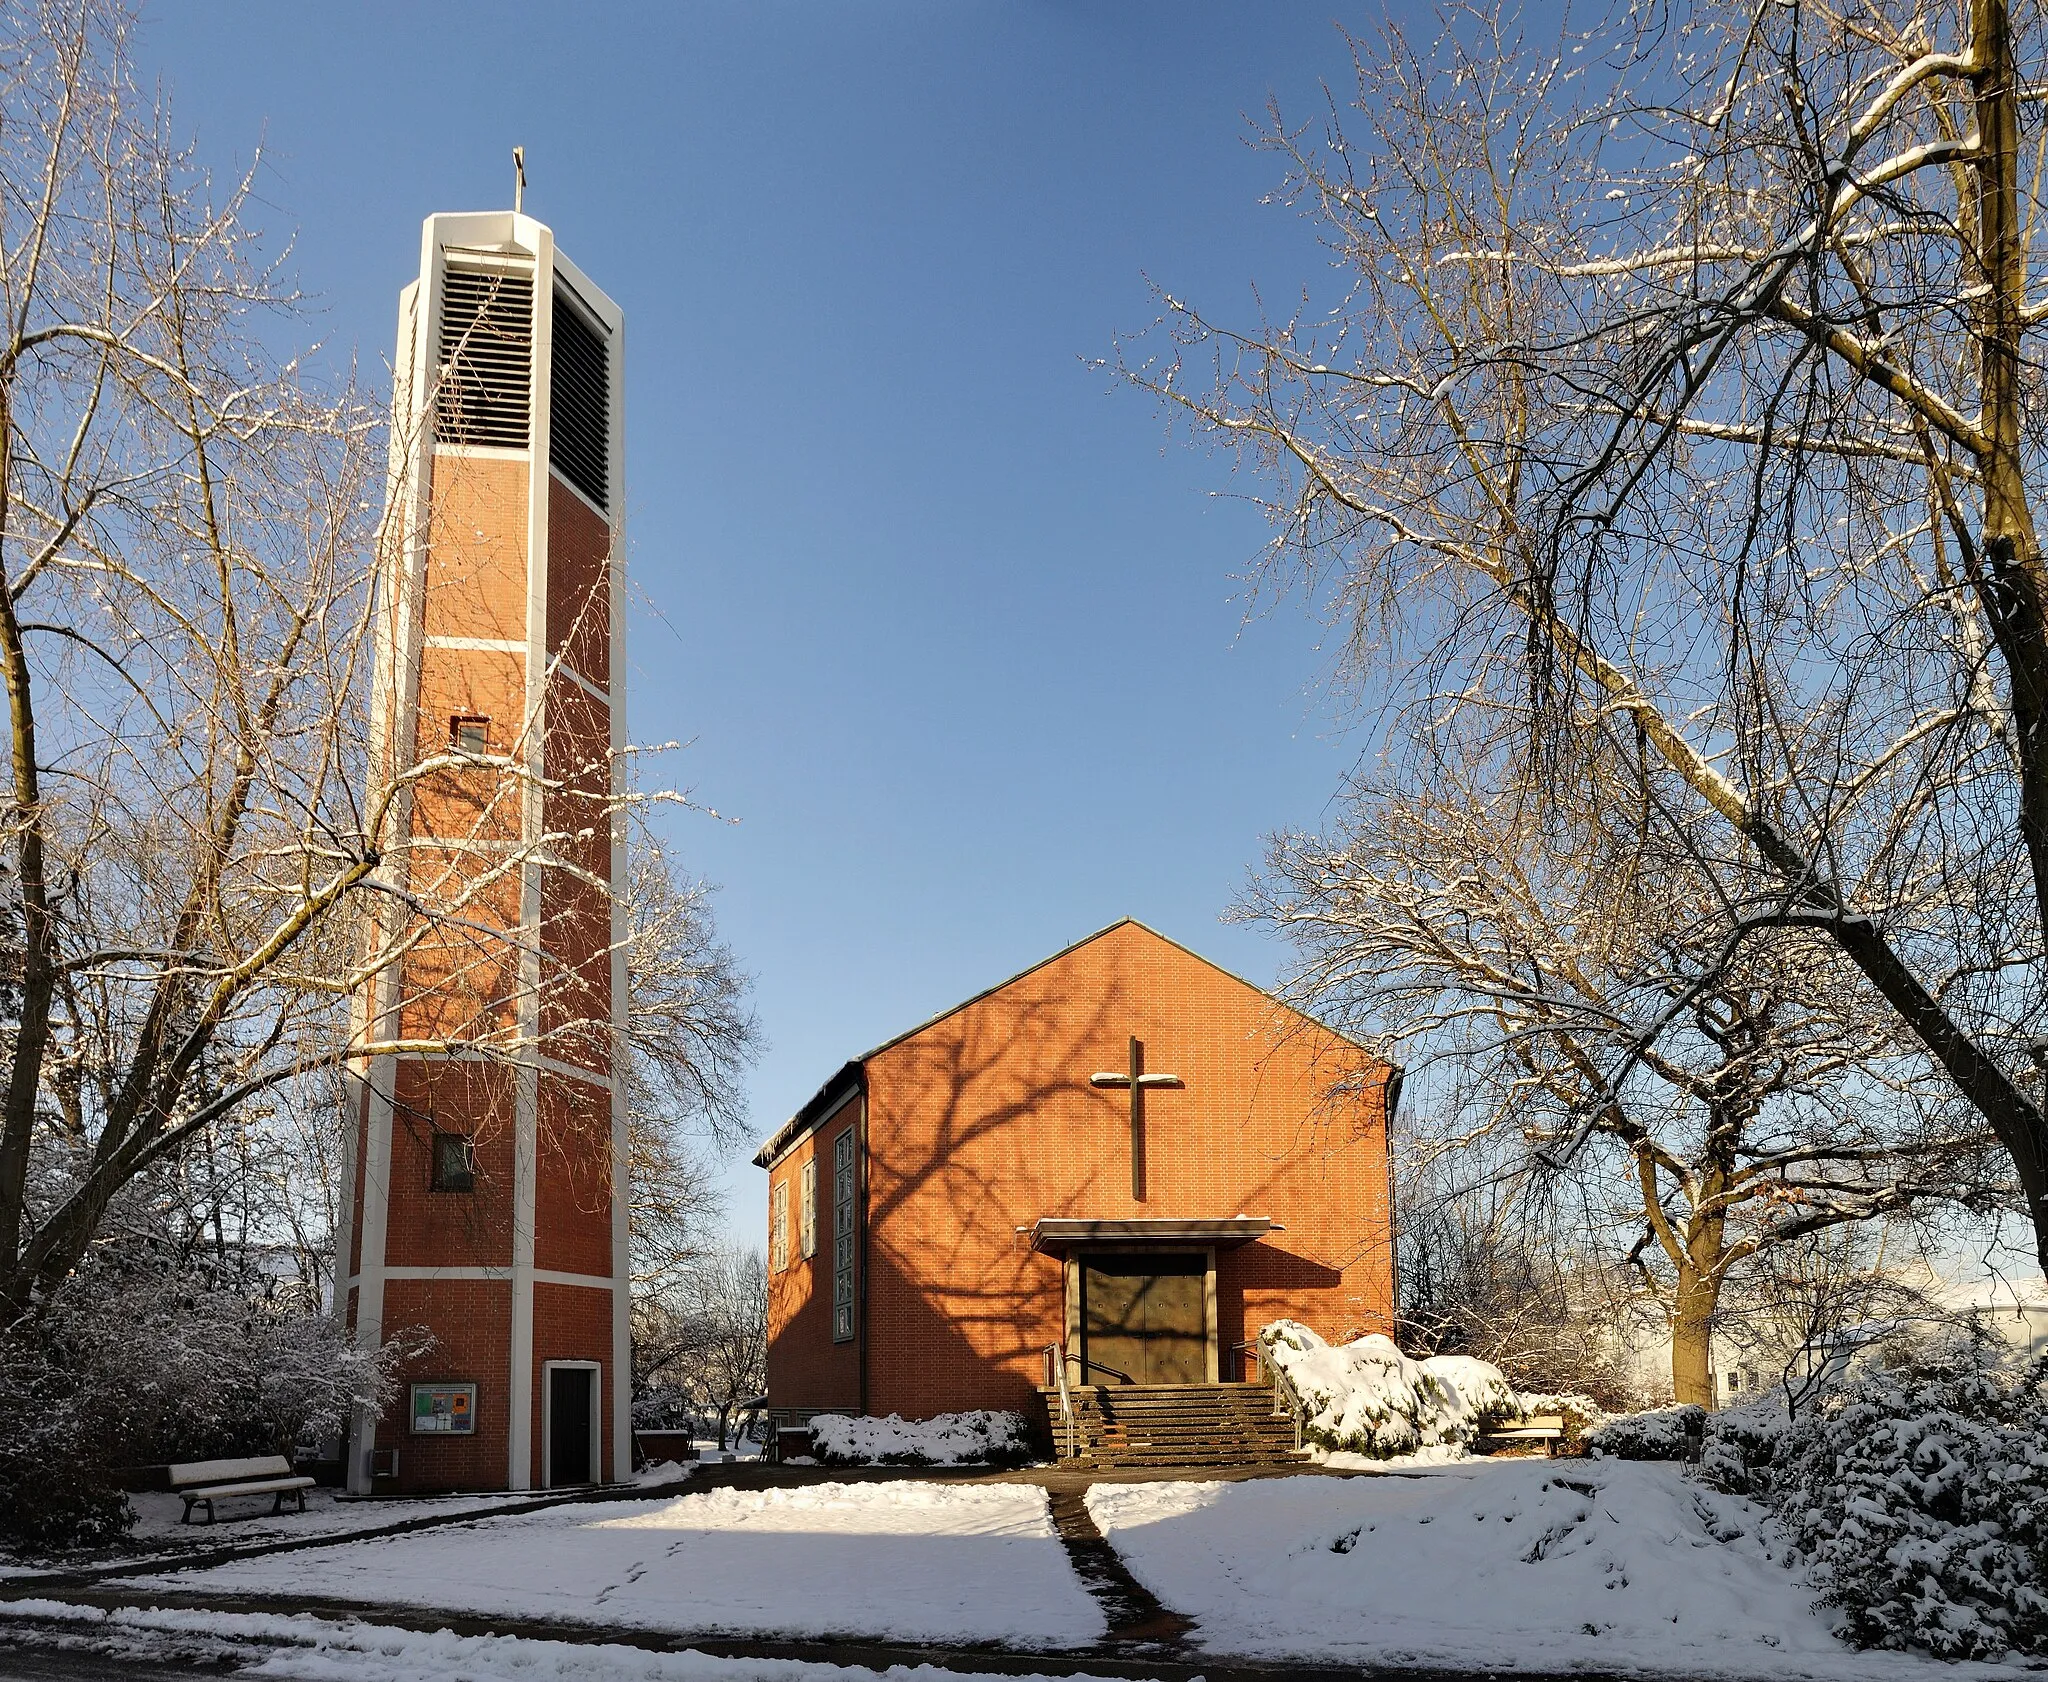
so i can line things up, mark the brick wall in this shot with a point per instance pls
(470, 1320)
(984, 1122)
(572, 1323)
(428, 1228)
(459, 984)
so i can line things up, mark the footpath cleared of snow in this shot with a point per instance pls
(912, 1560)
(1514, 1564)
(307, 1649)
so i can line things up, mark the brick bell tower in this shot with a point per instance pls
(486, 1179)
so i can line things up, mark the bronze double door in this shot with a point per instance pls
(1145, 1319)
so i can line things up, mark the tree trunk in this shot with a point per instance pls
(1692, 1340)
(2013, 590)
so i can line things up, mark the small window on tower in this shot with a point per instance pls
(470, 733)
(454, 1163)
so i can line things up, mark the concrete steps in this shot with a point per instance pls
(1173, 1425)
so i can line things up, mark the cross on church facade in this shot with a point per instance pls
(1137, 1081)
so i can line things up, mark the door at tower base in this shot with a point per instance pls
(571, 1423)
(1124, 1158)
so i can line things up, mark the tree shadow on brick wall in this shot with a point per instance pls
(984, 1122)
(961, 1307)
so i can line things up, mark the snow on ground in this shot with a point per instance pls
(248, 1519)
(1529, 1564)
(915, 1560)
(1438, 1454)
(159, 1533)
(318, 1650)
(952, 1439)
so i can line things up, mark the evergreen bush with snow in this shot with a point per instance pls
(1741, 1448)
(1656, 1435)
(1918, 1498)
(1366, 1397)
(986, 1437)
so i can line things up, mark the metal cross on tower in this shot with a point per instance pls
(1137, 1080)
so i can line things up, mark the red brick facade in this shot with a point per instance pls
(506, 1000)
(983, 1122)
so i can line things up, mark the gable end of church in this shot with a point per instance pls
(1124, 1129)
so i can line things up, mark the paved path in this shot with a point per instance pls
(51, 1664)
(1136, 1619)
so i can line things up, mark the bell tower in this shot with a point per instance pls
(486, 1225)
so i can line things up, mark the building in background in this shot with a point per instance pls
(486, 1186)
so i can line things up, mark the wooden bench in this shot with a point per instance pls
(1544, 1428)
(202, 1482)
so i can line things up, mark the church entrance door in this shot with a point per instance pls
(1144, 1319)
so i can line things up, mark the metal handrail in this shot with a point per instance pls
(1286, 1398)
(1089, 1365)
(1056, 1362)
(1238, 1349)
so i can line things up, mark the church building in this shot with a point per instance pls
(1124, 1159)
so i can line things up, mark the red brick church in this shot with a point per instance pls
(1124, 1154)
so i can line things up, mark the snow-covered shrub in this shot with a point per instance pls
(140, 1362)
(987, 1437)
(1919, 1497)
(178, 1366)
(1366, 1397)
(1656, 1435)
(1487, 1400)
(1742, 1447)
(56, 1491)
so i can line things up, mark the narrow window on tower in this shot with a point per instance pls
(454, 1163)
(807, 1220)
(469, 733)
(778, 1227)
(842, 1237)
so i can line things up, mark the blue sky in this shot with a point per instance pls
(956, 633)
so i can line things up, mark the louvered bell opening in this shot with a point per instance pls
(486, 358)
(580, 422)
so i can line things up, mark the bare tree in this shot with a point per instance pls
(1814, 1306)
(183, 569)
(691, 1036)
(1493, 1264)
(701, 1344)
(1682, 401)
(1576, 985)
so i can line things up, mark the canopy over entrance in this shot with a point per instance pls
(1224, 1233)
